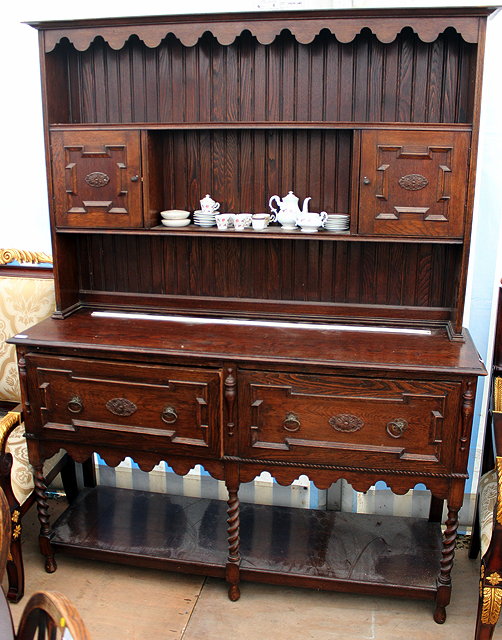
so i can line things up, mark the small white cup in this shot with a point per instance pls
(260, 221)
(241, 221)
(224, 221)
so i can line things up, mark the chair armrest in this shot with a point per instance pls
(54, 611)
(7, 424)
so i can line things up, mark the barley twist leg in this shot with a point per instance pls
(43, 518)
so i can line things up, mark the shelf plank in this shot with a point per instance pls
(331, 550)
(271, 233)
(262, 124)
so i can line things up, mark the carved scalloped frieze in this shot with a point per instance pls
(323, 477)
(265, 29)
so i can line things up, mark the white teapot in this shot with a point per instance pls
(288, 209)
(208, 205)
(311, 221)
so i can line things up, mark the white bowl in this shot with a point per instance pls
(176, 223)
(174, 214)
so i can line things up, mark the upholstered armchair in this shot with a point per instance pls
(26, 297)
(487, 534)
(490, 585)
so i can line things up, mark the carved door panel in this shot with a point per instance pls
(97, 179)
(413, 183)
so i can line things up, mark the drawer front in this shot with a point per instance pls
(360, 422)
(144, 407)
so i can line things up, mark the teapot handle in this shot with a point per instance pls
(278, 200)
(324, 217)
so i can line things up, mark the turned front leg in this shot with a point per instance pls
(448, 553)
(234, 559)
(43, 518)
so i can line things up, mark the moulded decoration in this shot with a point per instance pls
(492, 601)
(97, 179)
(32, 257)
(121, 407)
(346, 422)
(413, 182)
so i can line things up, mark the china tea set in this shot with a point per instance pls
(286, 212)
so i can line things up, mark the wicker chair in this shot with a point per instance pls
(26, 297)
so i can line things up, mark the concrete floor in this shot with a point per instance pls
(127, 603)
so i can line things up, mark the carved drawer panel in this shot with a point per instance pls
(360, 422)
(97, 179)
(149, 407)
(413, 183)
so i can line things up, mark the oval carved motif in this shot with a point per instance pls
(413, 182)
(121, 407)
(346, 422)
(97, 179)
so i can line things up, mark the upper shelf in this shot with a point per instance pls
(265, 124)
(271, 233)
(265, 26)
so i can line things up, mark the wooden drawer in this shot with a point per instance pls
(360, 422)
(145, 407)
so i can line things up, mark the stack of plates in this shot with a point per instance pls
(337, 222)
(175, 218)
(203, 219)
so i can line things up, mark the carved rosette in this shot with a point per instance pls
(413, 182)
(121, 407)
(346, 422)
(97, 179)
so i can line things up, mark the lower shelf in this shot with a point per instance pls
(321, 549)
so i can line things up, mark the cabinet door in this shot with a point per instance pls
(413, 183)
(97, 178)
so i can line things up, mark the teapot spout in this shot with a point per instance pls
(305, 208)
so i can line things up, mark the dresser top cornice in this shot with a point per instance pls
(345, 24)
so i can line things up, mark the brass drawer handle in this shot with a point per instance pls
(75, 405)
(169, 415)
(396, 428)
(291, 422)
